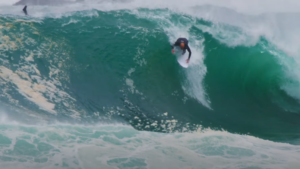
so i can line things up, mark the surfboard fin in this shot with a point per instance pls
(25, 10)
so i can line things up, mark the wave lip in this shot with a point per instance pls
(46, 2)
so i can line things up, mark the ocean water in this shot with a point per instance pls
(94, 85)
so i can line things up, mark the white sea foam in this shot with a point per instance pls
(44, 90)
(111, 146)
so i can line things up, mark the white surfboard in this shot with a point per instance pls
(181, 59)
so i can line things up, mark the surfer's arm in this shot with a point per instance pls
(189, 50)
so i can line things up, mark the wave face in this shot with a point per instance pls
(109, 63)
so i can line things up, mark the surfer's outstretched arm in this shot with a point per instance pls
(190, 52)
(25, 10)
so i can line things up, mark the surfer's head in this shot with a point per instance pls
(182, 45)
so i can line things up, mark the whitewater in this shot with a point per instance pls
(94, 84)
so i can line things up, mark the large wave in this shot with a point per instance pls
(66, 69)
(240, 66)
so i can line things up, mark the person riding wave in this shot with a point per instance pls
(184, 45)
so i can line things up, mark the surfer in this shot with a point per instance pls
(184, 45)
(25, 10)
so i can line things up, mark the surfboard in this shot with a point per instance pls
(181, 59)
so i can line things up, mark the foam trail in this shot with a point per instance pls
(25, 88)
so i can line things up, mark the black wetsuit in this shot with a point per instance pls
(186, 45)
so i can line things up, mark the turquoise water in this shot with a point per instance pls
(100, 88)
